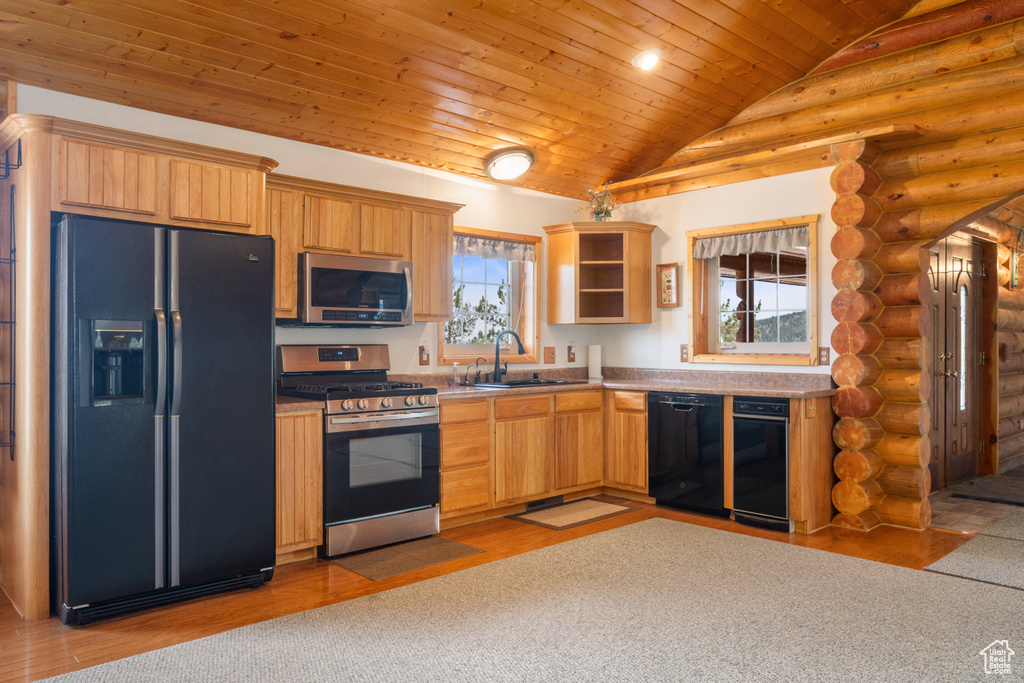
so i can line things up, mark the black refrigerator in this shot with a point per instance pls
(163, 415)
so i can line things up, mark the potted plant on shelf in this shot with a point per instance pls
(601, 203)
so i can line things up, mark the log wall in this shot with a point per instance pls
(1007, 224)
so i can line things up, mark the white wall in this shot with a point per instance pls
(797, 194)
(493, 206)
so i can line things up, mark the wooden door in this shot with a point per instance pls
(579, 443)
(522, 461)
(955, 277)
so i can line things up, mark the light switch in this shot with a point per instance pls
(570, 352)
(549, 354)
(424, 355)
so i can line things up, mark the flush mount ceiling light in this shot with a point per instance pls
(647, 59)
(508, 164)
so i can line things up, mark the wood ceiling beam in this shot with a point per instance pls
(804, 155)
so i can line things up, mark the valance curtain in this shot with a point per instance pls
(502, 250)
(768, 241)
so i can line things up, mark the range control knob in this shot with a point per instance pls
(410, 400)
(362, 404)
(346, 404)
(386, 402)
(424, 400)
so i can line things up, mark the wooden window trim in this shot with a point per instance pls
(531, 338)
(696, 299)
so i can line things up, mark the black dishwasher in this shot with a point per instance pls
(760, 462)
(685, 451)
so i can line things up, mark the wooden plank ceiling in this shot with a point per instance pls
(441, 83)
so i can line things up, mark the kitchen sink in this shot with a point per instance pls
(536, 382)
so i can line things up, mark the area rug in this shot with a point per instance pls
(572, 514)
(657, 600)
(992, 489)
(1011, 526)
(985, 558)
(400, 558)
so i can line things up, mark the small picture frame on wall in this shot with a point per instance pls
(668, 285)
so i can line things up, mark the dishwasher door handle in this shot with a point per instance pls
(680, 407)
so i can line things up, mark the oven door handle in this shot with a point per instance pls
(352, 424)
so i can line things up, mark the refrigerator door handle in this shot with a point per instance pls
(161, 362)
(176, 360)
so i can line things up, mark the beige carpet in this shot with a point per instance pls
(400, 558)
(653, 601)
(572, 514)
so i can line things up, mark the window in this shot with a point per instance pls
(494, 287)
(754, 295)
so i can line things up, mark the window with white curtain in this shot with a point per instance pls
(494, 287)
(754, 292)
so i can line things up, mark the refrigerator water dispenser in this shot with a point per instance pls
(117, 348)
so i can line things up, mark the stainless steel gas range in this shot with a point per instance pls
(381, 444)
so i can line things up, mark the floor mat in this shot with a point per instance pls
(993, 489)
(984, 558)
(1011, 526)
(572, 514)
(400, 558)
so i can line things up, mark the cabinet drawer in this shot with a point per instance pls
(522, 406)
(464, 444)
(463, 411)
(465, 488)
(577, 400)
(631, 401)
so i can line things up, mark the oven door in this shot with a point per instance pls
(380, 464)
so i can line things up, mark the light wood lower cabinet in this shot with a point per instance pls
(625, 425)
(299, 483)
(579, 439)
(465, 456)
(524, 428)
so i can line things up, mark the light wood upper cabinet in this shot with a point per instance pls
(625, 446)
(284, 224)
(384, 231)
(432, 236)
(599, 272)
(107, 177)
(100, 171)
(350, 220)
(330, 223)
(209, 193)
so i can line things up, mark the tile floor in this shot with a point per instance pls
(967, 516)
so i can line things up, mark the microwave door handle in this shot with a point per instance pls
(407, 314)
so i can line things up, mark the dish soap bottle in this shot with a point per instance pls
(453, 381)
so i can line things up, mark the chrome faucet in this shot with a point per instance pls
(498, 372)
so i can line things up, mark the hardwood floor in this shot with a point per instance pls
(31, 650)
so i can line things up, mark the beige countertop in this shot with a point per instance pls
(781, 388)
(290, 404)
(784, 385)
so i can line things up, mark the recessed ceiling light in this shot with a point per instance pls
(647, 59)
(508, 164)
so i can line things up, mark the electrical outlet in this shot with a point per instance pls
(684, 353)
(424, 355)
(812, 409)
(823, 355)
(570, 353)
(549, 354)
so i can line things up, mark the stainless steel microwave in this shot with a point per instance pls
(354, 291)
